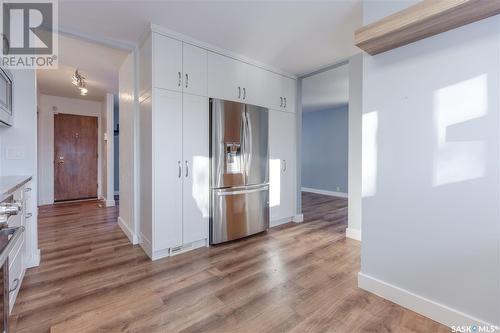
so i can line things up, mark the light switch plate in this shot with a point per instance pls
(14, 153)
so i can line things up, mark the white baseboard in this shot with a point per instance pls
(275, 223)
(426, 307)
(299, 218)
(325, 192)
(33, 260)
(128, 232)
(110, 203)
(146, 245)
(353, 233)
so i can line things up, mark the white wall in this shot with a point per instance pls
(109, 147)
(431, 187)
(128, 138)
(46, 139)
(355, 121)
(22, 136)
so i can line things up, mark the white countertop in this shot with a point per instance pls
(9, 184)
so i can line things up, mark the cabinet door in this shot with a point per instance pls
(167, 63)
(282, 164)
(167, 169)
(196, 167)
(257, 88)
(227, 77)
(288, 91)
(194, 62)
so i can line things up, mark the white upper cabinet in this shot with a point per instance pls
(234, 80)
(194, 68)
(226, 77)
(283, 93)
(257, 86)
(167, 63)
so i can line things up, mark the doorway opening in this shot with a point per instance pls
(330, 150)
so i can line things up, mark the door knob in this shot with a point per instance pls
(60, 160)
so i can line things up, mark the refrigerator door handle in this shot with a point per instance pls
(226, 193)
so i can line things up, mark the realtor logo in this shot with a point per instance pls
(29, 34)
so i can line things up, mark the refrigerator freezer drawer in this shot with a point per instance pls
(237, 213)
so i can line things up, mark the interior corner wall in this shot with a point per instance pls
(46, 139)
(355, 135)
(431, 177)
(128, 112)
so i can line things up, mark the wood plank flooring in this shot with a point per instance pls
(294, 278)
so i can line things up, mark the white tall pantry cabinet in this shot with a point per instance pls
(176, 80)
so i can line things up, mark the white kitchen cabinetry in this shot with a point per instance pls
(282, 169)
(234, 80)
(167, 169)
(195, 146)
(17, 258)
(177, 78)
(168, 63)
(226, 77)
(194, 68)
(174, 188)
(283, 90)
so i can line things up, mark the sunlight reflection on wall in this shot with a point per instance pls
(369, 153)
(200, 184)
(456, 161)
(274, 182)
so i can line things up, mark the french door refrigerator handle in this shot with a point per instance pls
(180, 169)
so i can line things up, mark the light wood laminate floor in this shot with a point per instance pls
(294, 278)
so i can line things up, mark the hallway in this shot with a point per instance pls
(297, 277)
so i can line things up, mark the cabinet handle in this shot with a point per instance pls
(187, 79)
(281, 101)
(187, 169)
(29, 215)
(180, 169)
(16, 285)
(28, 189)
(239, 92)
(284, 166)
(179, 79)
(284, 98)
(244, 93)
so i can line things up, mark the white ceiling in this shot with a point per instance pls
(326, 90)
(294, 36)
(98, 63)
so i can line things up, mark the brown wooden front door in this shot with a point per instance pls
(75, 153)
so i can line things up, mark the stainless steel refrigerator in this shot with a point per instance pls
(239, 170)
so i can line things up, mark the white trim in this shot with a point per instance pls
(110, 203)
(33, 259)
(299, 218)
(126, 230)
(353, 234)
(278, 222)
(426, 307)
(187, 39)
(146, 245)
(108, 42)
(325, 192)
